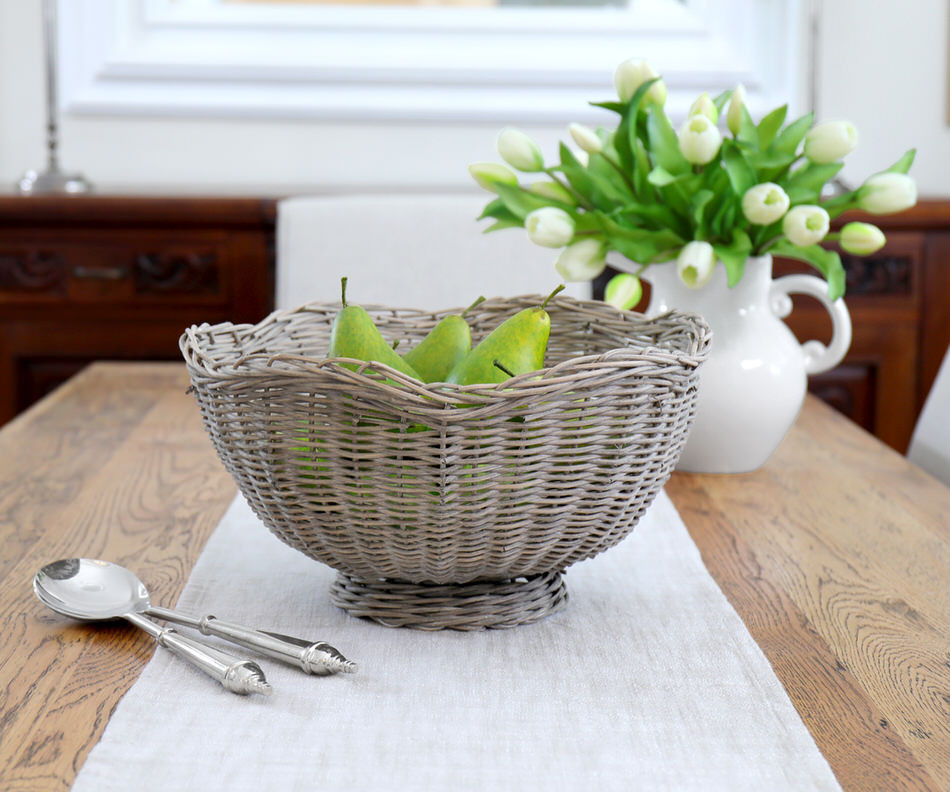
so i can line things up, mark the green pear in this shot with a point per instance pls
(443, 347)
(355, 336)
(516, 346)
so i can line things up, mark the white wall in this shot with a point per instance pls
(883, 63)
(885, 69)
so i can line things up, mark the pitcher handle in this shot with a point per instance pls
(818, 357)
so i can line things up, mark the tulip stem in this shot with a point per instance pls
(623, 175)
(567, 186)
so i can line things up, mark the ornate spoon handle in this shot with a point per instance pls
(237, 675)
(313, 657)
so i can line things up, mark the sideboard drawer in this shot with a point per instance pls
(126, 268)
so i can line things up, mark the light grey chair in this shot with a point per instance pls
(407, 251)
(930, 444)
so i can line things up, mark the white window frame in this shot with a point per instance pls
(187, 58)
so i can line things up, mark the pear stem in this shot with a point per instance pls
(343, 289)
(477, 302)
(561, 287)
(499, 365)
(396, 343)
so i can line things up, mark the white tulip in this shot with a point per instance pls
(862, 239)
(623, 291)
(699, 139)
(552, 191)
(704, 106)
(519, 150)
(488, 174)
(805, 225)
(631, 74)
(586, 138)
(696, 263)
(764, 204)
(549, 227)
(582, 261)
(830, 141)
(887, 192)
(734, 111)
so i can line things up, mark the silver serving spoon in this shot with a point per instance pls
(80, 586)
(96, 590)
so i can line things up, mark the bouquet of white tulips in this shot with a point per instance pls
(694, 195)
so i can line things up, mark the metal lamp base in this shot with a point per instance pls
(52, 181)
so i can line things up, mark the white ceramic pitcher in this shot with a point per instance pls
(753, 384)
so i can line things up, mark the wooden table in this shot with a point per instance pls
(836, 555)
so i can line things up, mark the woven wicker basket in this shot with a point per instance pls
(446, 505)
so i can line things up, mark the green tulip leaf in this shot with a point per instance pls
(607, 179)
(741, 173)
(499, 211)
(641, 170)
(697, 209)
(654, 215)
(827, 262)
(791, 137)
(734, 255)
(637, 244)
(812, 177)
(840, 203)
(660, 177)
(626, 137)
(903, 164)
(721, 100)
(747, 130)
(769, 126)
(498, 225)
(582, 180)
(664, 145)
(615, 107)
(521, 202)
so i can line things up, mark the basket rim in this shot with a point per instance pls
(267, 365)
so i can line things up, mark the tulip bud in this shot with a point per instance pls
(549, 227)
(704, 106)
(582, 261)
(623, 291)
(631, 74)
(586, 138)
(887, 192)
(734, 111)
(552, 191)
(830, 141)
(805, 225)
(520, 151)
(862, 239)
(488, 174)
(764, 204)
(695, 264)
(699, 139)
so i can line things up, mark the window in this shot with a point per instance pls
(512, 61)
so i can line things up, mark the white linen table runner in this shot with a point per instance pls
(647, 680)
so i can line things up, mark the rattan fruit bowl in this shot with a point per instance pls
(450, 505)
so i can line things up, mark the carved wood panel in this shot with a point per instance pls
(32, 271)
(177, 271)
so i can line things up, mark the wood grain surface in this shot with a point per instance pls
(114, 465)
(836, 555)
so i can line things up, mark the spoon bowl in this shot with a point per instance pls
(92, 590)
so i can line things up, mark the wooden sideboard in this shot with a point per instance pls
(85, 278)
(119, 277)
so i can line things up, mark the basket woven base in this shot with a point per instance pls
(470, 606)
